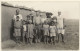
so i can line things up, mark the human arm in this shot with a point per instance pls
(64, 23)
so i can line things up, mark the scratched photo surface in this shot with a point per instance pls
(23, 25)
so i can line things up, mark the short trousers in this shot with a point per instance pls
(52, 34)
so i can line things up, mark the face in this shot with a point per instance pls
(28, 17)
(17, 18)
(17, 12)
(59, 13)
(37, 13)
(52, 23)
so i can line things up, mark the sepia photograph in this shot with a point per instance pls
(40, 25)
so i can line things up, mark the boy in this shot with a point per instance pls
(17, 29)
(38, 27)
(46, 32)
(24, 30)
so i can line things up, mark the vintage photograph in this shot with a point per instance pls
(40, 25)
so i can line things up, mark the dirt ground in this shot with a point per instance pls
(71, 41)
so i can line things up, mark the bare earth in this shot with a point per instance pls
(71, 40)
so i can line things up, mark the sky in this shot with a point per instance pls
(70, 10)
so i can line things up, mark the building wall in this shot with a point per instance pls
(6, 18)
(7, 14)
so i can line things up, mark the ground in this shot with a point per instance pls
(71, 40)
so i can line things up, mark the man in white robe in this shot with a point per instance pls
(60, 26)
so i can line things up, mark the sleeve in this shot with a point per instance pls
(40, 20)
(49, 29)
(14, 23)
(21, 17)
(34, 26)
(28, 28)
(34, 21)
(55, 29)
(64, 25)
(57, 19)
(14, 17)
(43, 28)
(33, 29)
(21, 24)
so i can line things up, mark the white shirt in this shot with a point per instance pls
(60, 21)
(52, 29)
(24, 27)
(20, 17)
(38, 20)
(45, 27)
(42, 20)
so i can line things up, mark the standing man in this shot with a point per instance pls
(43, 19)
(60, 26)
(38, 27)
(17, 24)
(17, 14)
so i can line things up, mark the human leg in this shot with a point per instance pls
(62, 38)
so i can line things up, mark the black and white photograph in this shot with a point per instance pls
(40, 25)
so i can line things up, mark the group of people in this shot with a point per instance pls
(36, 31)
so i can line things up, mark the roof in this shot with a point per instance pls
(21, 7)
(6, 4)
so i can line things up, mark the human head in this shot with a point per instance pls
(37, 13)
(59, 13)
(17, 11)
(24, 22)
(52, 22)
(28, 17)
